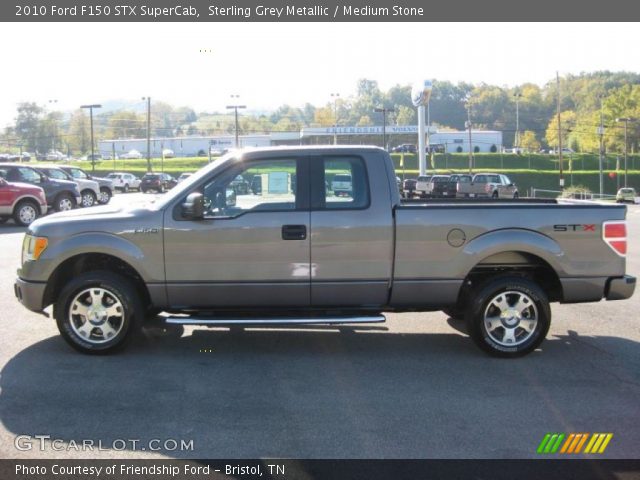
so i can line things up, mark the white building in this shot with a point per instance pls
(449, 141)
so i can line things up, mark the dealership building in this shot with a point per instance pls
(189, 146)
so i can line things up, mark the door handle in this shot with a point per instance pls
(294, 232)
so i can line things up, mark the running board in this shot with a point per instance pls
(274, 320)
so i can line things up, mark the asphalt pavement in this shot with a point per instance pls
(414, 387)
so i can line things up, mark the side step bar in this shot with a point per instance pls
(275, 320)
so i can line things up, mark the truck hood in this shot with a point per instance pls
(107, 218)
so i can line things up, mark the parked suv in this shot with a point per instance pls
(341, 185)
(61, 195)
(124, 181)
(159, 182)
(22, 201)
(89, 190)
(105, 184)
(626, 194)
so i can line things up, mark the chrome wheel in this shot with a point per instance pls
(65, 204)
(96, 315)
(88, 200)
(27, 214)
(511, 318)
(105, 196)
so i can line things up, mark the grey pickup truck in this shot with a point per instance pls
(294, 252)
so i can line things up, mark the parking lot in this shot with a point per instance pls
(414, 387)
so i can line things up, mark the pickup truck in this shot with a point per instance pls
(492, 185)
(22, 201)
(297, 253)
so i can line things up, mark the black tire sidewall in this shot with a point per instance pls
(59, 199)
(479, 302)
(126, 293)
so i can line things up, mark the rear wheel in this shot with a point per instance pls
(495, 195)
(97, 312)
(105, 196)
(515, 195)
(125, 189)
(508, 316)
(26, 212)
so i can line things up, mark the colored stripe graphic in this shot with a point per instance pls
(573, 443)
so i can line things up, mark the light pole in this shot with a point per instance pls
(148, 99)
(517, 96)
(93, 157)
(384, 112)
(601, 153)
(468, 125)
(235, 107)
(626, 121)
(335, 117)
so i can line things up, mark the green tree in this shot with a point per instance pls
(79, 133)
(126, 124)
(27, 124)
(529, 142)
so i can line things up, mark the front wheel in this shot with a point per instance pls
(88, 198)
(64, 202)
(516, 196)
(25, 213)
(125, 189)
(495, 195)
(508, 316)
(96, 312)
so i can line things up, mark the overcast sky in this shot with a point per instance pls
(275, 63)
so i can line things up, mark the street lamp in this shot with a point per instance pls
(148, 99)
(335, 117)
(468, 125)
(626, 121)
(517, 96)
(384, 112)
(235, 107)
(93, 157)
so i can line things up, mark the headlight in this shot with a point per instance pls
(32, 247)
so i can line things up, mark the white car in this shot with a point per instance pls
(124, 181)
(168, 153)
(423, 185)
(131, 155)
(341, 184)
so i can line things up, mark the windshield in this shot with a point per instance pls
(186, 185)
(75, 173)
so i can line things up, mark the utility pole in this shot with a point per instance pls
(559, 134)
(335, 117)
(468, 125)
(600, 159)
(517, 95)
(384, 112)
(626, 121)
(93, 156)
(113, 154)
(235, 107)
(148, 99)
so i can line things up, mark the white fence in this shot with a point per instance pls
(541, 193)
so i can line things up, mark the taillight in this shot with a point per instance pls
(614, 233)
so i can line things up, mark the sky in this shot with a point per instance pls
(269, 64)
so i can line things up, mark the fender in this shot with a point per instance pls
(507, 240)
(98, 242)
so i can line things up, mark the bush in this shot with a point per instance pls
(459, 149)
(493, 149)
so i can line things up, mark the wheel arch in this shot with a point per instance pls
(515, 251)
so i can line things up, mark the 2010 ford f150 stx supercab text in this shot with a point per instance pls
(291, 250)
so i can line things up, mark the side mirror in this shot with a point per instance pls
(193, 207)
(231, 197)
(3, 182)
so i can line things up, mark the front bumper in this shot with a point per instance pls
(620, 288)
(30, 294)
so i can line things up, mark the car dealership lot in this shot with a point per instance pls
(414, 387)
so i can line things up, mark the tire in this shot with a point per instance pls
(125, 189)
(519, 327)
(105, 196)
(105, 333)
(3, 220)
(64, 202)
(516, 196)
(161, 189)
(494, 195)
(144, 190)
(89, 198)
(26, 212)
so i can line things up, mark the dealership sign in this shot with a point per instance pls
(372, 130)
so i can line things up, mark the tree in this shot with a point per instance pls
(27, 124)
(79, 134)
(568, 124)
(126, 124)
(529, 142)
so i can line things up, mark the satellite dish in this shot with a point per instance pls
(421, 92)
